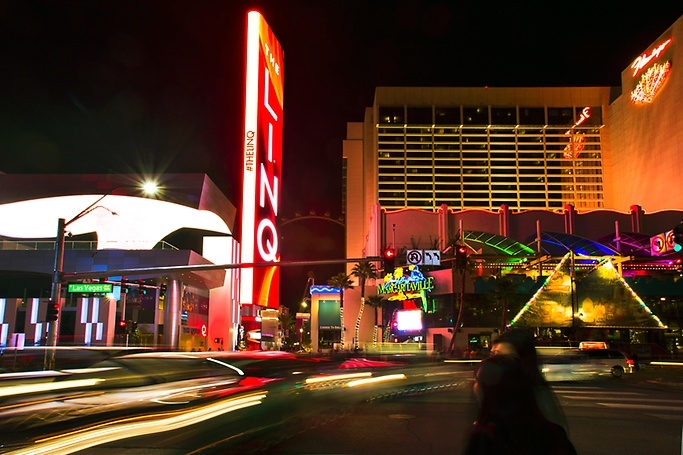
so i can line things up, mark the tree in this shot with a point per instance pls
(502, 293)
(463, 270)
(364, 271)
(377, 302)
(341, 281)
(288, 323)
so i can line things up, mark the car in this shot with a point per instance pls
(586, 363)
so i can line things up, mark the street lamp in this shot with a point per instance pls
(148, 188)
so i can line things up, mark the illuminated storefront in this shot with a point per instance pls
(509, 171)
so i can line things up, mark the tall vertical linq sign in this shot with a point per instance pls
(262, 166)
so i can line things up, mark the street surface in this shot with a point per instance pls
(641, 414)
(350, 406)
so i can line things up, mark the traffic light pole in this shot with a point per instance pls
(55, 295)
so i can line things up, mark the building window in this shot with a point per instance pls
(503, 116)
(560, 116)
(447, 116)
(420, 116)
(532, 116)
(476, 115)
(391, 115)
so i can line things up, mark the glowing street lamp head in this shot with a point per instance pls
(150, 188)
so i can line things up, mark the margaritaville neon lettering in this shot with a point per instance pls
(262, 169)
(407, 287)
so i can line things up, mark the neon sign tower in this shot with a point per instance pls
(262, 169)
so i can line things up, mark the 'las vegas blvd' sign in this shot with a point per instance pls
(262, 165)
(90, 288)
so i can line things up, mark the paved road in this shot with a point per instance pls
(642, 414)
(429, 411)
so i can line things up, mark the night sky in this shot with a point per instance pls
(155, 86)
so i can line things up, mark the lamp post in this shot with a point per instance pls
(56, 288)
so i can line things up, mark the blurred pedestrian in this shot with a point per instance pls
(509, 421)
(520, 343)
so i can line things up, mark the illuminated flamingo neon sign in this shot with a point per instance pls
(643, 60)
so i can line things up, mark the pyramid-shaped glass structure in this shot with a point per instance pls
(602, 299)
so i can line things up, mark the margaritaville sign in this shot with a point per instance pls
(400, 286)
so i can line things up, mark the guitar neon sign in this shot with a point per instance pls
(576, 143)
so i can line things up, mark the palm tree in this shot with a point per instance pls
(364, 271)
(288, 323)
(341, 281)
(502, 293)
(377, 302)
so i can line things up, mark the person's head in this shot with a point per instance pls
(515, 341)
(503, 389)
(518, 342)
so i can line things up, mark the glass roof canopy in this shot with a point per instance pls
(552, 243)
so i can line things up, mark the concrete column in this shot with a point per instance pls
(569, 218)
(504, 220)
(174, 296)
(443, 233)
(636, 218)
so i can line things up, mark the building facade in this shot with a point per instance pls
(432, 165)
(130, 262)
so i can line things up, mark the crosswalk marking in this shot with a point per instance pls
(649, 400)
(661, 408)
(602, 393)
(641, 406)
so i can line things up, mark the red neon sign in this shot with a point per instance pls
(644, 59)
(650, 83)
(576, 142)
(262, 167)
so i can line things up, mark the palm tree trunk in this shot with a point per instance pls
(374, 331)
(360, 315)
(341, 318)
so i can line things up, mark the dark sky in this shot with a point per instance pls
(154, 86)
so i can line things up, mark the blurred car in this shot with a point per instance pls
(574, 364)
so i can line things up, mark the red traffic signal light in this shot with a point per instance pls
(460, 256)
(389, 259)
(52, 311)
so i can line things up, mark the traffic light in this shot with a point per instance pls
(678, 237)
(460, 256)
(389, 259)
(121, 327)
(52, 311)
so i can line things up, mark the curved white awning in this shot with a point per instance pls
(121, 222)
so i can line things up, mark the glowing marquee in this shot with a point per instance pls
(653, 79)
(262, 166)
(405, 287)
